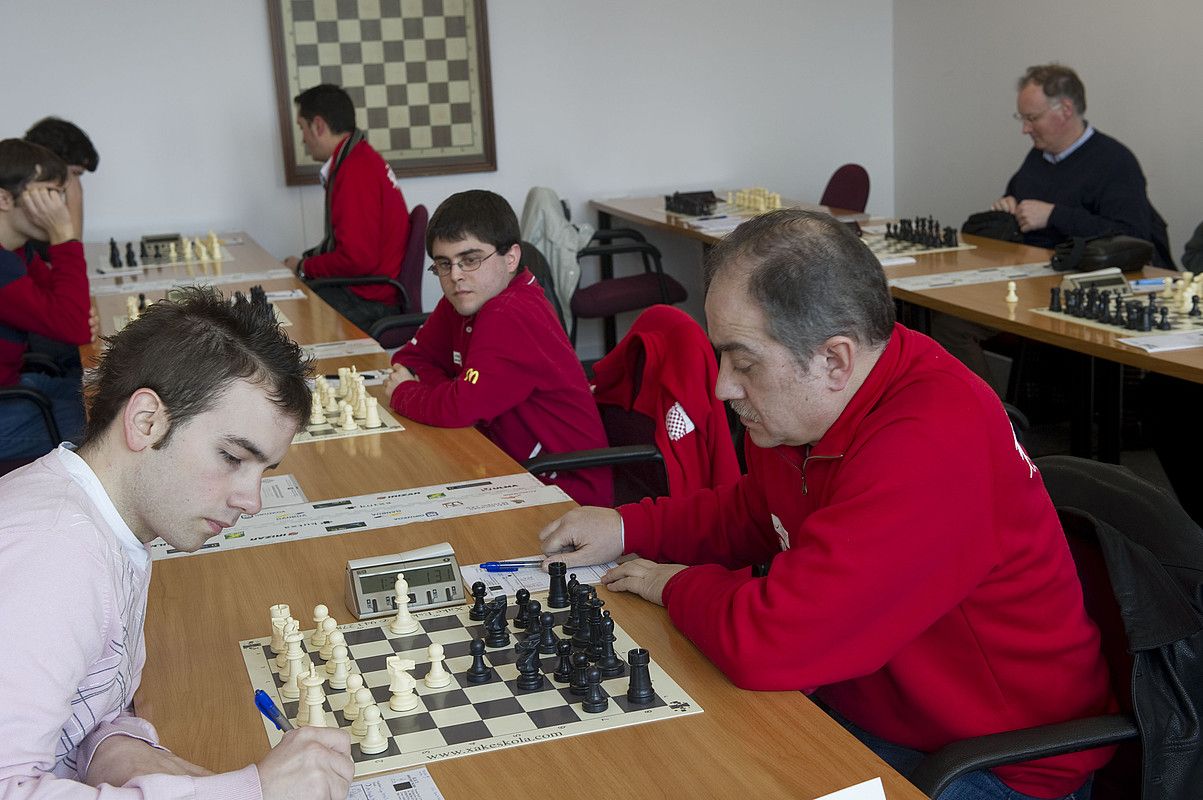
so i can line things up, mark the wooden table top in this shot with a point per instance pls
(195, 690)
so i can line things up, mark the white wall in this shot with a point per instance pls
(593, 99)
(955, 68)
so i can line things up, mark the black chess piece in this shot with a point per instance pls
(142, 254)
(141, 301)
(114, 254)
(157, 255)
(530, 673)
(639, 690)
(574, 590)
(596, 699)
(1194, 307)
(130, 259)
(1146, 318)
(563, 672)
(522, 601)
(595, 628)
(497, 632)
(548, 641)
(479, 672)
(609, 663)
(1164, 324)
(572, 581)
(580, 663)
(477, 612)
(1054, 299)
(1104, 315)
(534, 621)
(557, 593)
(580, 638)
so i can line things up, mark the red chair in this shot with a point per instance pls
(847, 189)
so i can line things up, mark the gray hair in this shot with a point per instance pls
(1058, 82)
(811, 276)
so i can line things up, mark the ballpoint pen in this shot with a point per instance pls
(511, 566)
(264, 703)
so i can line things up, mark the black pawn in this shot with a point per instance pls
(563, 672)
(1164, 324)
(130, 259)
(580, 665)
(142, 254)
(477, 612)
(522, 601)
(596, 699)
(609, 663)
(114, 254)
(548, 641)
(534, 622)
(557, 594)
(141, 301)
(479, 672)
(640, 688)
(530, 674)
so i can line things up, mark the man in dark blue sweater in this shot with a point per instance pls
(1076, 181)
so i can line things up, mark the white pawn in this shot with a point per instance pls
(348, 419)
(331, 404)
(373, 740)
(172, 254)
(338, 668)
(1012, 297)
(320, 614)
(404, 622)
(373, 418)
(364, 701)
(361, 404)
(354, 684)
(329, 628)
(332, 641)
(401, 684)
(317, 415)
(341, 391)
(437, 676)
(187, 249)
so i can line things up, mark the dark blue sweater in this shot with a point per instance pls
(1098, 190)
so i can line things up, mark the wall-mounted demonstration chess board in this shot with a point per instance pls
(462, 718)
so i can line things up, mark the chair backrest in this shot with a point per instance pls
(534, 261)
(410, 275)
(848, 188)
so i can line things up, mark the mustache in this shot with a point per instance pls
(744, 411)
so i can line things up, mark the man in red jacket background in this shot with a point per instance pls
(367, 222)
(920, 586)
(493, 353)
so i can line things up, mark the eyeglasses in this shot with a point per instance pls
(469, 262)
(1031, 118)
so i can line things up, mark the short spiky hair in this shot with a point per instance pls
(65, 140)
(1056, 81)
(811, 276)
(187, 350)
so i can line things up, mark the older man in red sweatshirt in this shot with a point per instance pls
(920, 583)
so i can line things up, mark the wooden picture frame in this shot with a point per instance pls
(417, 72)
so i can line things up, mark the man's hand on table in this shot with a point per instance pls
(119, 759)
(589, 535)
(308, 764)
(642, 577)
(398, 376)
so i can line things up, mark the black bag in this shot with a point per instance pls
(993, 225)
(1100, 252)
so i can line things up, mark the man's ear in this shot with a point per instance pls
(839, 359)
(144, 420)
(7, 201)
(513, 258)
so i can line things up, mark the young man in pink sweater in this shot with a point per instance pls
(179, 461)
(920, 585)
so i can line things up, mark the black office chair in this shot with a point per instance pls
(1120, 526)
(33, 362)
(848, 188)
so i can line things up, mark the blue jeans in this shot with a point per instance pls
(23, 432)
(980, 785)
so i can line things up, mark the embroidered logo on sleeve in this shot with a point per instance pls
(782, 533)
(678, 423)
(471, 375)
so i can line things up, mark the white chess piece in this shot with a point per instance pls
(302, 717)
(290, 626)
(361, 404)
(316, 717)
(290, 690)
(317, 416)
(363, 699)
(403, 623)
(329, 628)
(338, 668)
(373, 740)
(354, 684)
(437, 676)
(341, 390)
(331, 404)
(131, 308)
(373, 418)
(1012, 297)
(172, 254)
(320, 614)
(401, 684)
(348, 419)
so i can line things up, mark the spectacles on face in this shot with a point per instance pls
(469, 262)
(1030, 119)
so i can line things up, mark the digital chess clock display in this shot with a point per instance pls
(431, 572)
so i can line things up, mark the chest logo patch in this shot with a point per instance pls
(471, 375)
(678, 423)
(782, 533)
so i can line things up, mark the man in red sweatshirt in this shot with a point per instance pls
(493, 353)
(920, 585)
(367, 222)
(35, 297)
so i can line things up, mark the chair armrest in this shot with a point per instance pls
(40, 362)
(584, 459)
(941, 768)
(44, 406)
(396, 321)
(359, 280)
(610, 234)
(619, 248)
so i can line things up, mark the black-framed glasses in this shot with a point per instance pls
(469, 262)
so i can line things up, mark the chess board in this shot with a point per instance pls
(413, 69)
(1179, 321)
(896, 248)
(330, 429)
(463, 718)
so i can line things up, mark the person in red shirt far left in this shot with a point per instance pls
(49, 299)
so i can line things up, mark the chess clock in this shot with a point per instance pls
(431, 572)
(1109, 279)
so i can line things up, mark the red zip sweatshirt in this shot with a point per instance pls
(35, 297)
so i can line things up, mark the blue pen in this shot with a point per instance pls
(264, 703)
